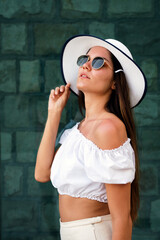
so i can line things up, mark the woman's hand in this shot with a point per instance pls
(58, 98)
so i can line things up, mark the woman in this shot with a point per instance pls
(96, 169)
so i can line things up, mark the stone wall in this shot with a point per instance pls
(32, 34)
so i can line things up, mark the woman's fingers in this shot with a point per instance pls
(62, 88)
(59, 90)
(58, 97)
(67, 89)
(56, 91)
(52, 93)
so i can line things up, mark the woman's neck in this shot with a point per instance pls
(95, 106)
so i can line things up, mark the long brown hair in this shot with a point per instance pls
(119, 104)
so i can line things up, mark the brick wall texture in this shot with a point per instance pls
(32, 34)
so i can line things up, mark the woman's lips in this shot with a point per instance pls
(83, 75)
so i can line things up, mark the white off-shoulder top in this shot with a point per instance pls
(81, 169)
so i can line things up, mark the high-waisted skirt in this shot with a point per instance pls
(95, 228)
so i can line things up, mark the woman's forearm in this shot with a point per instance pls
(122, 229)
(46, 149)
(57, 101)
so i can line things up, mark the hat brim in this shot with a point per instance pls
(79, 45)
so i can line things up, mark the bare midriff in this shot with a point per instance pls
(72, 208)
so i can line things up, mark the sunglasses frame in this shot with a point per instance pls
(88, 59)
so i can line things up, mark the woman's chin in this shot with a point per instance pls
(82, 84)
(81, 87)
(84, 87)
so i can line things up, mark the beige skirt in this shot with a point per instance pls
(95, 228)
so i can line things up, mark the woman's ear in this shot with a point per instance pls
(113, 86)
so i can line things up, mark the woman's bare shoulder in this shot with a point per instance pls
(111, 132)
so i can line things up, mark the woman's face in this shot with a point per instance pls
(98, 81)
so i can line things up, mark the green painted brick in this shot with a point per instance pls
(141, 37)
(155, 215)
(147, 112)
(19, 215)
(143, 214)
(13, 179)
(150, 69)
(148, 180)
(83, 6)
(39, 110)
(102, 30)
(35, 9)
(50, 216)
(26, 145)
(16, 111)
(150, 137)
(50, 38)
(30, 236)
(144, 234)
(149, 144)
(41, 113)
(54, 236)
(8, 76)
(129, 7)
(29, 76)
(6, 146)
(144, 210)
(53, 76)
(39, 189)
(14, 38)
(64, 116)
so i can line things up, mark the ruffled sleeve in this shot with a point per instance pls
(64, 135)
(115, 166)
(65, 132)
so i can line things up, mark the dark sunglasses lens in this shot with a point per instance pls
(97, 62)
(82, 60)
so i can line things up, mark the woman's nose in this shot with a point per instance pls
(87, 65)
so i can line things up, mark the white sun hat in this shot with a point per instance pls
(79, 45)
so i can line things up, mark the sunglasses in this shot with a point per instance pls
(97, 62)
